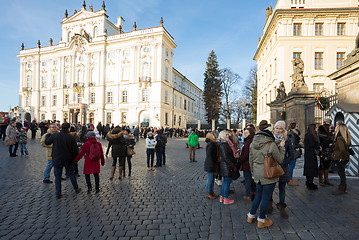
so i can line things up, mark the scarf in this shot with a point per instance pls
(278, 138)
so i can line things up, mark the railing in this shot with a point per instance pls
(319, 115)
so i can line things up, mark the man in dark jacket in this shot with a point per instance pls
(64, 151)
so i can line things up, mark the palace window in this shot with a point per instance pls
(145, 69)
(166, 118)
(174, 119)
(94, 32)
(340, 59)
(166, 74)
(297, 29)
(66, 99)
(318, 63)
(124, 96)
(318, 87)
(175, 100)
(92, 98)
(54, 100)
(166, 96)
(54, 82)
(341, 29)
(297, 55)
(28, 81)
(54, 116)
(67, 78)
(27, 101)
(319, 29)
(79, 97)
(185, 104)
(144, 95)
(180, 102)
(109, 97)
(43, 100)
(43, 82)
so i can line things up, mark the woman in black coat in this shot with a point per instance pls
(226, 166)
(311, 147)
(326, 144)
(119, 150)
(211, 165)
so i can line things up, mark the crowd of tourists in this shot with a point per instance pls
(227, 153)
(267, 158)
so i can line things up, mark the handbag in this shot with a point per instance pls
(9, 142)
(130, 151)
(271, 168)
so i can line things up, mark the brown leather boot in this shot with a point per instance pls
(341, 190)
(292, 183)
(210, 196)
(270, 206)
(113, 169)
(214, 195)
(281, 207)
(326, 181)
(120, 173)
(320, 175)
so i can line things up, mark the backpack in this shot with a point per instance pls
(95, 152)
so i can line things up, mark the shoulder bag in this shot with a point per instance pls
(271, 168)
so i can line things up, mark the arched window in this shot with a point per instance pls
(94, 35)
(69, 36)
(67, 78)
(80, 76)
(28, 81)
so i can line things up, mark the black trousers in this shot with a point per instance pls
(341, 172)
(129, 166)
(97, 181)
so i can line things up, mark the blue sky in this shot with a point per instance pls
(230, 27)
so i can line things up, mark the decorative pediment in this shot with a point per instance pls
(83, 14)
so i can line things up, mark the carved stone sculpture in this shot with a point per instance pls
(353, 55)
(51, 41)
(22, 46)
(86, 36)
(281, 91)
(297, 76)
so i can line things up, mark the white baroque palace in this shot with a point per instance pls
(320, 32)
(97, 73)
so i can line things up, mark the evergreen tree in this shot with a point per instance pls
(212, 88)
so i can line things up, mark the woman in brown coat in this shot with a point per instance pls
(342, 142)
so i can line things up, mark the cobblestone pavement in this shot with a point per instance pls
(167, 203)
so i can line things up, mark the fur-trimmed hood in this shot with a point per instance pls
(114, 135)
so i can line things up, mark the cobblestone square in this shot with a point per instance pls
(167, 203)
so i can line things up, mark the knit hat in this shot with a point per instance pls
(72, 129)
(280, 124)
(263, 125)
(149, 133)
(90, 134)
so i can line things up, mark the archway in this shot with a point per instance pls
(27, 117)
(144, 119)
(338, 117)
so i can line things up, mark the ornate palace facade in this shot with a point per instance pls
(97, 72)
(319, 32)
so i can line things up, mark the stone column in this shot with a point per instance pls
(213, 124)
(228, 123)
(243, 123)
(199, 124)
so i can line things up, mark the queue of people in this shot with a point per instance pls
(283, 145)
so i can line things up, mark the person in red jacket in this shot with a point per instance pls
(91, 166)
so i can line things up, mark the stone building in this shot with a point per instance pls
(319, 32)
(98, 72)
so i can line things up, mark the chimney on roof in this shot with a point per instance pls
(120, 22)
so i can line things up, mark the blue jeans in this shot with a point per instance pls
(58, 173)
(291, 168)
(281, 187)
(249, 183)
(23, 147)
(226, 184)
(158, 158)
(16, 145)
(264, 194)
(150, 155)
(210, 182)
(48, 170)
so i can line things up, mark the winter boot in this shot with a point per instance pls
(27, 153)
(113, 169)
(320, 175)
(341, 190)
(120, 173)
(326, 180)
(281, 207)
(22, 153)
(262, 223)
(270, 206)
